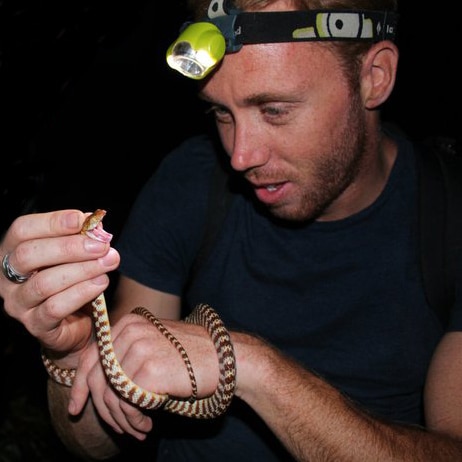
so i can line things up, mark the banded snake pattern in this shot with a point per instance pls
(205, 408)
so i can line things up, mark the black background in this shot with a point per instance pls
(89, 107)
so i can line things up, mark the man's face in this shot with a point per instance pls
(290, 124)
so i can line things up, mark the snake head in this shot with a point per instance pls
(93, 226)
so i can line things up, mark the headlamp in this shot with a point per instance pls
(197, 50)
(202, 45)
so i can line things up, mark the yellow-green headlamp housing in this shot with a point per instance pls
(198, 49)
(202, 45)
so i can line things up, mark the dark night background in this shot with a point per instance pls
(89, 107)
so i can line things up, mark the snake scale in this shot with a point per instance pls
(209, 407)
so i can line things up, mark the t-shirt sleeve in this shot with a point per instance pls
(455, 319)
(162, 234)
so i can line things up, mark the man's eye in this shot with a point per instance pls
(277, 114)
(220, 113)
(274, 111)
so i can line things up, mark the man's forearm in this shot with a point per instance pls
(85, 434)
(317, 423)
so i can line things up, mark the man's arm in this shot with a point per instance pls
(84, 435)
(443, 391)
(316, 422)
(83, 430)
(311, 418)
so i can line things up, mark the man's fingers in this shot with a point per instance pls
(39, 225)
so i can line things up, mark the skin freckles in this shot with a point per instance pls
(277, 130)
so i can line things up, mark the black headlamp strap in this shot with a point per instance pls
(310, 25)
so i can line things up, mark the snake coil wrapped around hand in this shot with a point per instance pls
(209, 407)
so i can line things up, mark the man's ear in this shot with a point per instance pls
(379, 73)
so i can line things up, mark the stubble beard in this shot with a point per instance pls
(336, 169)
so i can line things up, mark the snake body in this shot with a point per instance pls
(203, 314)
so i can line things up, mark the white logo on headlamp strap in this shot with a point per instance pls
(335, 25)
(216, 8)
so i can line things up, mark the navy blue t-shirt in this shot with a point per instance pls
(344, 298)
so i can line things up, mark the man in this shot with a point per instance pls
(315, 273)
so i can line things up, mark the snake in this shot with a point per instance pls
(211, 406)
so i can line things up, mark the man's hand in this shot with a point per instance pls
(66, 270)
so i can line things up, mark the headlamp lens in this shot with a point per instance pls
(197, 50)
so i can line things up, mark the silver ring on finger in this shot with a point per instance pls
(11, 274)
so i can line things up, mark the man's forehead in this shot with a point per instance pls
(269, 72)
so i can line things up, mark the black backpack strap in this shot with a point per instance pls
(440, 199)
